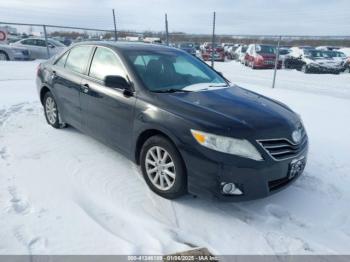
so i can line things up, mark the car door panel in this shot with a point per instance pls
(107, 114)
(67, 87)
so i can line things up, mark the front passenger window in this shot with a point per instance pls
(105, 63)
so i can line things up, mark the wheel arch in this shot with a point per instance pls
(43, 92)
(145, 135)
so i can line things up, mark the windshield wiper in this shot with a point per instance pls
(172, 90)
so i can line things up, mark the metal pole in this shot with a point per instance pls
(276, 62)
(46, 42)
(166, 30)
(213, 42)
(115, 27)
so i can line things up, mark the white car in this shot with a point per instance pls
(240, 52)
(37, 47)
(11, 53)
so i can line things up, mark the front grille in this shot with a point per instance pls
(281, 149)
(25, 52)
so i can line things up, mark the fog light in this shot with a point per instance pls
(230, 189)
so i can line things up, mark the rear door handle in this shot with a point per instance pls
(86, 88)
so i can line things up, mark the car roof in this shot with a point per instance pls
(123, 46)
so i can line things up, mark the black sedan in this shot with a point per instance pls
(188, 128)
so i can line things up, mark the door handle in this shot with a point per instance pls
(86, 88)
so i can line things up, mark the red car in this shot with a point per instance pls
(261, 56)
(206, 52)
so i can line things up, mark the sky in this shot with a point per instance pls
(263, 17)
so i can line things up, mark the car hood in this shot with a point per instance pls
(235, 111)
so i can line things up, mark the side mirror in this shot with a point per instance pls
(51, 46)
(117, 82)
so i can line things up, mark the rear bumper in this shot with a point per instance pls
(256, 179)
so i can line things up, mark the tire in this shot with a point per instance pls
(4, 56)
(173, 186)
(51, 112)
(304, 69)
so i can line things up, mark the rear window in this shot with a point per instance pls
(78, 58)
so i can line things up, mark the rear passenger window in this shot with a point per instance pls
(62, 61)
(104, 63)
(78, 58)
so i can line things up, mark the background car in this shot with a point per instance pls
(261, 56)
(206, 52)
(313, 61)
(240, 53)
(38, 49)
(10, 53)
(188, 47)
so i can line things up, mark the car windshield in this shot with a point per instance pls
(265, 49)
(244, 49)
(187, 45)
(335, 54)
(316, 53)
(171, 70)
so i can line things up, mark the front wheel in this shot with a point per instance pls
(304, 69)
(4, 56)
(163, 168)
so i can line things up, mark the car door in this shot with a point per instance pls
(66, 82)
(41, 48)
(107, 112)
(30, 45)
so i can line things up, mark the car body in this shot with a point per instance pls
(311, 60)
(188, 47)
(37, 47)
(227, 142)
(260, 56)
(207, 51)
(12, 53)
(239, 53)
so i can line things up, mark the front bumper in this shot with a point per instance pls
(323, 69)
(208, 169)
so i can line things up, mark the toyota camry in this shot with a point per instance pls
(189, 129)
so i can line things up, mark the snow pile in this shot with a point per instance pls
(62, 192)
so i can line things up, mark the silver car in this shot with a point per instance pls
(11, 53)
(37, 47)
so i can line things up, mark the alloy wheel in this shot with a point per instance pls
(160, 168)
(51, 110)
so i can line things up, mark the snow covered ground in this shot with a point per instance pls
(62, 192)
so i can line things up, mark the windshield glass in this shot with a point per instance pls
(244, 49)
(315, 53)
(170, 69)
(334, 54)
(265, 49)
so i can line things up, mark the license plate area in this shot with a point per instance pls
(296, 167)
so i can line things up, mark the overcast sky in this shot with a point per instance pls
(292, 17)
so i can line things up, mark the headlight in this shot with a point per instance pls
(229, 145)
